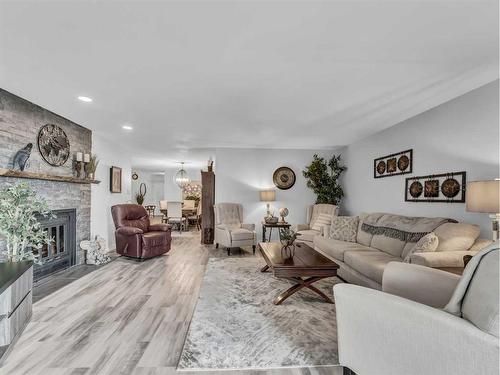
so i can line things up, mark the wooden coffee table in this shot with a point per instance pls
(305, 267)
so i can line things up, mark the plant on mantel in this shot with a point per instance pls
(19, 207)
(322, 177)
(92, 166)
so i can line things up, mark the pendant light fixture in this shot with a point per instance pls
(181, 177)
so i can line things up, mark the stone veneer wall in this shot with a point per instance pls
(20, 121)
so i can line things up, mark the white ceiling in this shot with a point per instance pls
(202, 75)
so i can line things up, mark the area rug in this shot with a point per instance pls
(236, 326)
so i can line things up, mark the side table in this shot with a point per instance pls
(271, 226)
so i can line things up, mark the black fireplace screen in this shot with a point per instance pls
(60, 252)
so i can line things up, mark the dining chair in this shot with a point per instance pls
(174, 210)
(163, 210)
(196, 218)
(189, 204)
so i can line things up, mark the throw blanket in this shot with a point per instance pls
(403, 228)
(455, 305)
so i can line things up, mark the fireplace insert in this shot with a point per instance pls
(60, 252)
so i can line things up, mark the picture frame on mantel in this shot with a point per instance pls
(393, 165)
(115, 179)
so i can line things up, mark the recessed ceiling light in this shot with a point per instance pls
(127, 127)
(85, 99)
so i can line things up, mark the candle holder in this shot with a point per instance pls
(77, 166)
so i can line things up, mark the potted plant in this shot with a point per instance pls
(322, 177)
(287, 239)
(92, 166)
(139, 198)
(19, 207)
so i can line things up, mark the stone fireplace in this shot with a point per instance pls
(20, 122)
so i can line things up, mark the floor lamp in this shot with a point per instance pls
(484, 196)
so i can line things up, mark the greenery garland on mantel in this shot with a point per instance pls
(322, 178)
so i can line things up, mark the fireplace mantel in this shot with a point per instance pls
(40, 176)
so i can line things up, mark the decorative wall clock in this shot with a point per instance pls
(284, 178)
(53, 144)
(445, 187)
(393, 165)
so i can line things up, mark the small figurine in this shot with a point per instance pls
(22, 157)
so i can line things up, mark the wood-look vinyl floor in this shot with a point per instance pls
(127, 317)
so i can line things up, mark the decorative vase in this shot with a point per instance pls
(287, 251)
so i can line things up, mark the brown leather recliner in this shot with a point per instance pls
(135, 236)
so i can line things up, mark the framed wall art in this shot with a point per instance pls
(444, 188)
(394, 164)
(115, 179)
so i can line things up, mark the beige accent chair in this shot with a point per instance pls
(230, 231)
(306, 232)
(426, 321)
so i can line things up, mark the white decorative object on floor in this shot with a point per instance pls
(95, 251)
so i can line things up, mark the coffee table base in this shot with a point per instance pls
(301, 283)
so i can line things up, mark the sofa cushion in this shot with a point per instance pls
(392, 246)
(362, 237)
(480, 244)
(335, 249)
(241, 234)
(307, 235)
(344, 228)
(369, 263)
(456, 236)
(480, 303)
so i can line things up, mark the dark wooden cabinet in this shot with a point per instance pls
(207, 208)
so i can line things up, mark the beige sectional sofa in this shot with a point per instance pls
(382, 238)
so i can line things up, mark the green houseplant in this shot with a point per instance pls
(322, 177)
(139, 198)
(19, 206)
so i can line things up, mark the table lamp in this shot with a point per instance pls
(484, 196)
(268, 196)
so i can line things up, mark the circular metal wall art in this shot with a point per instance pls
(381, 167)
(450, 188)
(403, 163)
(284, 178)
(416, 189)
(53, 144)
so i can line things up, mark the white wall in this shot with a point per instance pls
(460, 135)
(109, 154)
(154, 187)
(241, 173)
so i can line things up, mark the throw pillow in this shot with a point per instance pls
(456, 236)
(344, 228)
(321, 221)
(427, 243)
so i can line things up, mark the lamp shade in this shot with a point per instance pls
(483, 196)
(268, 196)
